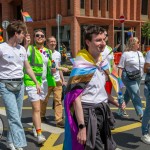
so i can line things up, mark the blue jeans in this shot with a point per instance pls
(13, 104)
(132, 92)
(146, 116)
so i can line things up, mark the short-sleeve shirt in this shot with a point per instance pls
(56, 56)
(12, 61)
(95, 91)
(130, 61)
(147, 59)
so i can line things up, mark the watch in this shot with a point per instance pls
(81, 126)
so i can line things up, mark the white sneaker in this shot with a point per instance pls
(11, 146)
(34, 132)
(41, 139)
(122, 113)
(146, 138)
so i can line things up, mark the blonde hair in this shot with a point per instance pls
(130, 44)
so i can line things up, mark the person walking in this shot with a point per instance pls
(146, 117)
(13, 58)
(86, 108)
(130, 69)
(40, 59)
(57, 90)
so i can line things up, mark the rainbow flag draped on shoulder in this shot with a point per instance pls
(84, 68)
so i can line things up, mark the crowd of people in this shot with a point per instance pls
(37, 70)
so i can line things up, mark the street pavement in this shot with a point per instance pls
(126, 134)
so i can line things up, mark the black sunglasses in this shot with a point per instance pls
(106, 35)
(40, 35)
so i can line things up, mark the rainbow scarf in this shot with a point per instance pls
(84, 68)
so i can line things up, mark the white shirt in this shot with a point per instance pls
(130, 61)
(12, 61)
(95, 91)
(56, 56)
(109, 57)
(45, 62)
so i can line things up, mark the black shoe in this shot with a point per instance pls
(44, 119)
(60, 124)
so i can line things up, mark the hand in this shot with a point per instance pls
(27, 40)
(123, 106)
(53, 70)
(65, 69)
(81, 136)
(64, 83)
(38, 88)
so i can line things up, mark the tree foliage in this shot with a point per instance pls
(146, 29)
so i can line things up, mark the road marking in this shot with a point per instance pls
(48, 145)
(25, 97)
(126, 128)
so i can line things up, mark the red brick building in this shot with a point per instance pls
(77, 13)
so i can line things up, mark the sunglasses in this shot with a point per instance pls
(40, 35)
(106, 35)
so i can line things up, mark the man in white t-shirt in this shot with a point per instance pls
(146, 116)
(13, 58)
(57, 91)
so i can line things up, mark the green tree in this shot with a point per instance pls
(146, 31)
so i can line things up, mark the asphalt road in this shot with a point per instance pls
(126, 134)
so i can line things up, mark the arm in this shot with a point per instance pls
(32, 75)
(120, 72)
(61, 76)
(146, 66)
(27, 41)
(81, 137)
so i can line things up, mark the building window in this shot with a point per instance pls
(144, 7)
(107, 5)
(82, 4)
(99, 4)
(68, 4)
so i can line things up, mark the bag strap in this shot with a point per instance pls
(139, 61)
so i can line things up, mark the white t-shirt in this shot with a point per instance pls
(130, 61)
(109, 57)
(147, 59)
(45, 62)
(56, 56)
(12, 61)
(95, 91)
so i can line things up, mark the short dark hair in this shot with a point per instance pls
(89, 31)
(16, 26)
(39, 30)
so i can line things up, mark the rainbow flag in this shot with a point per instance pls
(26, 17)
(116, 81)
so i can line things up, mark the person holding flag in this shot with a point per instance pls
(86, 108)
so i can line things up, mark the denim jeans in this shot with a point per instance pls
(13, 104)
(132, 92)
(146, 116)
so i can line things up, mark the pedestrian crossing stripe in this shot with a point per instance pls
(49, 144)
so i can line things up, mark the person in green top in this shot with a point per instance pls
(39, 58)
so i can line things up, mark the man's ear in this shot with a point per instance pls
(87, 42)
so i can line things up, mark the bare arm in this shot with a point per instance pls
(146, 66)
(32, 75)
(81, 137)
(120, 72)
